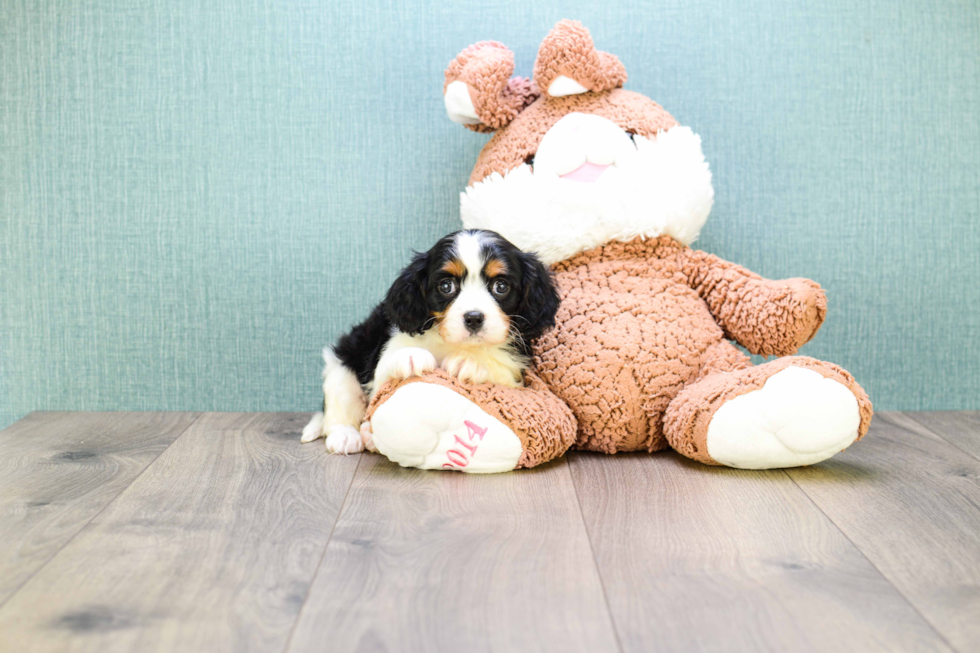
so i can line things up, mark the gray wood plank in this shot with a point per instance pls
(961, 428)
(699, 558)
(211, 549)
(58, 470)
(454, 562)
(911, 502)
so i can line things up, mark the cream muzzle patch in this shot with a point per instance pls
(638, 187)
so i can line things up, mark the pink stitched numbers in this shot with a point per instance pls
(464, 451)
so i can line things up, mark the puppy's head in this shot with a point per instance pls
(476, 288)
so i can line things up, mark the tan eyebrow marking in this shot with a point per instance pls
(494, 268)
(454, 267)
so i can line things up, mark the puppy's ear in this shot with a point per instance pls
(405, 303)
(539, 299)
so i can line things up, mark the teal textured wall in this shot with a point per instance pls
(196, 196)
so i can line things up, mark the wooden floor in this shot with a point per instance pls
(220, 532)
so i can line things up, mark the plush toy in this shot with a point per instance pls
(610, 190)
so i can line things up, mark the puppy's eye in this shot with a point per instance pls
(447, 286)
(500, 287)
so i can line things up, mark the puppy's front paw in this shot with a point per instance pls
(466, 368)
(411, 361)
(344, 439)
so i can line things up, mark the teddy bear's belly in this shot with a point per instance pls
(618, 357)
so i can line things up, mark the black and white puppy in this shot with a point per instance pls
(471, 305)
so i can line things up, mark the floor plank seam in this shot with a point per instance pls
(911, 415)
(840, 530)
(323, 556)
(101, 510)
(595, 563)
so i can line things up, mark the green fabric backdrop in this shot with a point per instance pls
(195, 197)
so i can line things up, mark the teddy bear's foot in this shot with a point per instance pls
(797, 418)
(439, 422)
(788, 413)
(429, 426)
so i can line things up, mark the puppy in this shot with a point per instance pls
(471, 306)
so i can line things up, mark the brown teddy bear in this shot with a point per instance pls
(607, 188)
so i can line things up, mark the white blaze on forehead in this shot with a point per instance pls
(468, 249)
(474, 295)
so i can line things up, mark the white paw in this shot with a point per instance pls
(465, 368)
(314, 429)
(799, 417)
(432, 427)
(344, 439)
(367, 437)
(410, 361)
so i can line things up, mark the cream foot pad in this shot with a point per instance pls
(799, 417)
(432, 427)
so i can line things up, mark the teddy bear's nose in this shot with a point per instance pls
(585, 172)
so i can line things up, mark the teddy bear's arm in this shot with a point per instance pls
(771, 318)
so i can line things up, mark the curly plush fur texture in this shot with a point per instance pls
(607, 188)
(470, 305)
(641, 321)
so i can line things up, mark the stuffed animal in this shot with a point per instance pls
(610, 190)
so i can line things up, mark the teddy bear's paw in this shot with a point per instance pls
(430, 426)
(799, 417)
(344, 439)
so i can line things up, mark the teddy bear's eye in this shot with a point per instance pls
(529, 160)
(632, 136)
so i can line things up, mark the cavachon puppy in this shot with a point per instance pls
(471, 306)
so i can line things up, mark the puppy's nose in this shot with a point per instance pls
(473, 321)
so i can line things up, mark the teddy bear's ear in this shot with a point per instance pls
(568, 63)
(479, 91)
